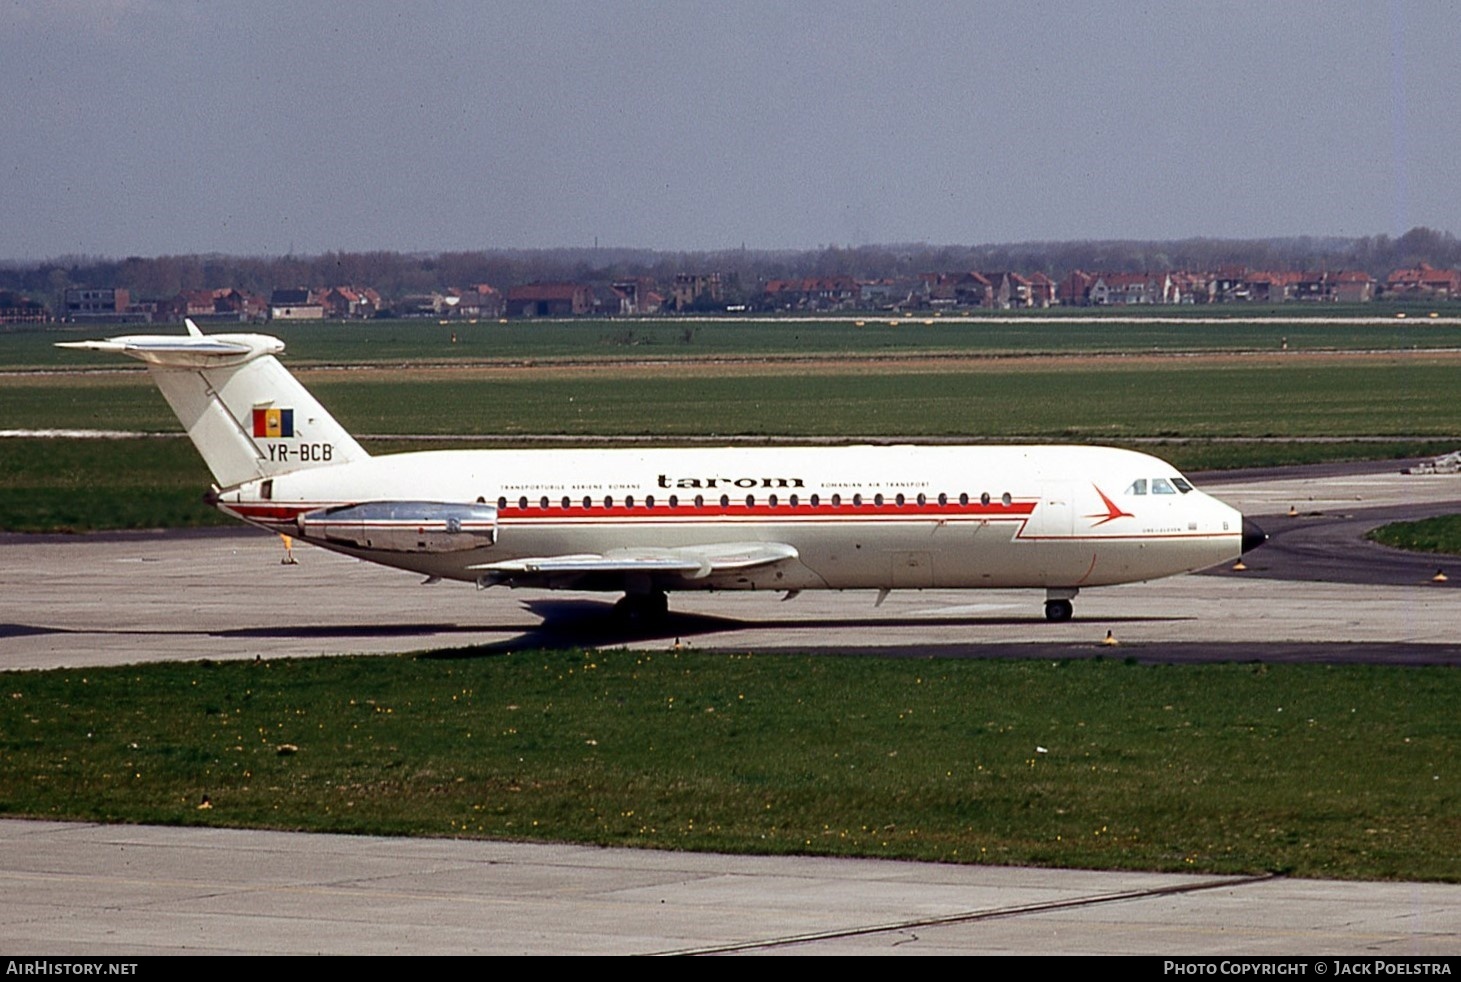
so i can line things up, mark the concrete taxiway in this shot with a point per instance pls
(1318, 592)
(124, 890)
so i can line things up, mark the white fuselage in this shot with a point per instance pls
(877, 517)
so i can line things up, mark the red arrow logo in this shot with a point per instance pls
(1112, 512)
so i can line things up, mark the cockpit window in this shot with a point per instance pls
(1138, 486)
(1181, 485)
(1160, 485)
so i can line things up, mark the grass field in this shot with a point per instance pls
(1310, 770)
(1107, 398)
(1440, 535)
(1306, 329)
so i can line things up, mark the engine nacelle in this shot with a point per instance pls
(402, 526)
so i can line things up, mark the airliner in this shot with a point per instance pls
(646, 522)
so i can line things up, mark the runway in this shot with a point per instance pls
(1318, 592)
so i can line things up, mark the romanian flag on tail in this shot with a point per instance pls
(273, 422)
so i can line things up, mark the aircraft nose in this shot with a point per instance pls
(1253, 536)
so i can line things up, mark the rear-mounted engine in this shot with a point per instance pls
(402, 526)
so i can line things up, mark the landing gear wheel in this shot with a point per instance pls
(642, 608)
(1058, 611)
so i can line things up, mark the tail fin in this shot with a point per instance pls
(245, 413)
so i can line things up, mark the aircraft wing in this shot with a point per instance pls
(684, 562)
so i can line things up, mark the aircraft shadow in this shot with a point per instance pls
(566, 623)
(593, 624)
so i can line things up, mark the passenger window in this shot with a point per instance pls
(964, 499)
(700, 501)
(836, 500)
(899, 501)
(543, 502)
(793, 501)
(984, 498)
(770, 501)
(566, 503)
(1160, 486)
(750, 501)
(857, 499)
(943, 500)
(588, 502)
(674, 501)
(501, 503)
(816, 500)
(877, 499)
(1138, 486)
(1005, 499)
(522, 502)
(725, 501)
(629, 501)
(608, 501)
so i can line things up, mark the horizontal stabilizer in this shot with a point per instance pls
(195, 350)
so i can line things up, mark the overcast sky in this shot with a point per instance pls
(149, 127)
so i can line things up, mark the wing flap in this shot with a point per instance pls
(690, 562)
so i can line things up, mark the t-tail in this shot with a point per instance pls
(245, 413)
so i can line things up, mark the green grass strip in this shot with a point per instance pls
(1346, 771)
(1365, 327)
(1441, 535)
(1108, 401)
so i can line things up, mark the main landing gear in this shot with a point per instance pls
(1058, 606)
(642, 608)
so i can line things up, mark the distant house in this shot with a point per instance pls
(195, 303)
(1354, 286)
(550, 300)
(1272, 286)
(1230, 284)
(1042, 290)
(1131, 289)
(1423, 282)
(1345, 286)
(222, 304)
(1011, 290)
(1075, 289)
(98, 304)
(16, 308)
(295, 305)
(1191, 287)
(630, 297)
(691, 287)
(813, 293)
(421, 305)
(350, 302)
(941, 289)
(973, 290)
(470, 303)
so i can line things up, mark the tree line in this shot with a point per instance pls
(398, 274)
